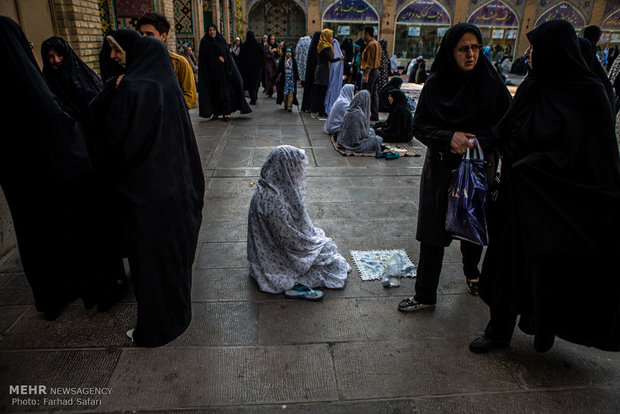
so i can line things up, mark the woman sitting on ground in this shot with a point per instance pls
(334, 120)
(355, 133)
(286, 252)
(399, 125)
(394, 83)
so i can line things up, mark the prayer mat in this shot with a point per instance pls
(371, 264)
(403, 149)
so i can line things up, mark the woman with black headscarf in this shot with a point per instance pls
(153, 158)
(220, 87)
(42, 155)
(398, 126)
(394, 83)
(71, 80)
(112, 57)
(553, 231)
(462, 101)
(595, 67)
(313, 59)
(251, 64)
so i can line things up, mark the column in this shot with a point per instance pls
(313, 18)
(527, 24)
(598, 12)
(388, 20)
(460, 12)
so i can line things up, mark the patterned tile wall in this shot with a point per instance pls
(183, 22)
(104, 14)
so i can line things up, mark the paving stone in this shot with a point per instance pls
(15, 290)
(223, 231)
(422, 368)
(9, 315)
(220, 324)
(52, 369)
(75, 328)
(569, 401)
(215, 381)
(225, 210)
(238, 158)
(226, 285)
(298, 321)
(462, 317)
(222, 255)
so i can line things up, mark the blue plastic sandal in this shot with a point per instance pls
(303, 292)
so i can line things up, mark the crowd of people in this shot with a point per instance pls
(112, 168)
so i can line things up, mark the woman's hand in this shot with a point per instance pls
(461, 141)
(221, 58)
(118, 80)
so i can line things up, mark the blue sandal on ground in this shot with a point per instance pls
(303, 292)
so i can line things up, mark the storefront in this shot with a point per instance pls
(499, 26)
(420, 26)
(611, 30)
(347, 18)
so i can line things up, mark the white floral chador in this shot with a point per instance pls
(284, 247)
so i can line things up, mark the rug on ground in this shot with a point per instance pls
(371, 264)
(403, 149)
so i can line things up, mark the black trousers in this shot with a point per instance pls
(318, 98)
(373, 88)
(429, 269)
(501, 325)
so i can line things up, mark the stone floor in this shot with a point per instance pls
(248, 351)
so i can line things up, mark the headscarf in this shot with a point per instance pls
(334, 119)
(74, 83)
(455, 100)
(355, 134)
(125, 39)
(284, 247)
(325, 41)
(394, 83)
(251, 58)
(593, 34)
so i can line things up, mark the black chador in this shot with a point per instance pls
(553, 232)
(151, 153)
(220, 87)
(73, 82)
(313, 60)
(399, 125)
(42, 155)
(251, 64)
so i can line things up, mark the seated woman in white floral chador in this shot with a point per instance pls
(286, 252)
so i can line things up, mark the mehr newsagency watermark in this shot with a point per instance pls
(42, 395)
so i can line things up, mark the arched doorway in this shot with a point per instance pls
(283, 18)
(563, 11)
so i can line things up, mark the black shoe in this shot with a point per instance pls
(410, 305)
(472, 286)
(482, 345)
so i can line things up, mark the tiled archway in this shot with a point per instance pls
(284, 18)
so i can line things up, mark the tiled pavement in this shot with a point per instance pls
(248, 351)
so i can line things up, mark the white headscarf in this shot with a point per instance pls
(284, 247)
(334, 119)
(355, 134)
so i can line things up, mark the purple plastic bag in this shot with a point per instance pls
(467, 194)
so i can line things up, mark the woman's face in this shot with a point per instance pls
(390, 99)
(467, 51)
(212, 32)
(528, 55)
(289, 54)
(272, 39)
(116, 53)
(264, 38)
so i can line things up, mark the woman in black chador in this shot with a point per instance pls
(220, 87)
(553, 231)
(42, 155)
(462, 101)
(313, 60)
(251, 64)
(70, 79)
(398, 126)
(113, 50)
(151, 153)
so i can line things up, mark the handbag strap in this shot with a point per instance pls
(475, 152)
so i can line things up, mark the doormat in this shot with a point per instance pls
(371, 264)
(403, 149)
